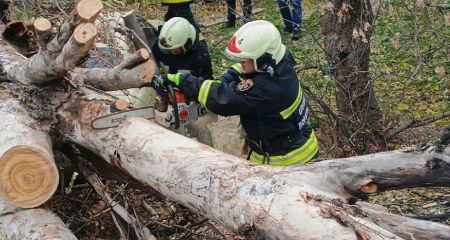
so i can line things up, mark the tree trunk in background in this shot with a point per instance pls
(346, 26)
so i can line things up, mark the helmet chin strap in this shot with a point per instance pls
(266, 63)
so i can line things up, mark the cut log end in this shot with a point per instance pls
(89, 9)
(369, 188)
(42, 25)
(148, 71)
(144, 54)
(120, 105)
(85, 33)
(28, 176)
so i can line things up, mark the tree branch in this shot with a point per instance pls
(416, 123)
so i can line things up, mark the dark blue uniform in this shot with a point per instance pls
(197, 60)
(273, 111)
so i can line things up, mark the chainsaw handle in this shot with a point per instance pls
(174, 105)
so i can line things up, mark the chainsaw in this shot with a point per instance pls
(170, 109)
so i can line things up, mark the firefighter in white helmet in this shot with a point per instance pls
(178, 49)
(263, 88)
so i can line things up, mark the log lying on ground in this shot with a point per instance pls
(135, 71)
(66, 50)
(274, 203)
(28, 174)
(308, 202)
(38, 223)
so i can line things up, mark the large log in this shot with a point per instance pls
(135, 71)
(305, 202)
(28, 174)
(66, 50)
(38, 223)
(274, 203)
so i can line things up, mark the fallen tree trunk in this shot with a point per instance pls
(28, 174)
(307, 202)
(66, 50)
(135, 71)
(38, 223)
(274, 203)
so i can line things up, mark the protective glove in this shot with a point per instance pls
(165, 79)
(173, 79)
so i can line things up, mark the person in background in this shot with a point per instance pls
(179, 50)
(231, 10)
(264, 90)
(291, 11)
(181, 8)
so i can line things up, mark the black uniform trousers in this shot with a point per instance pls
(181, 10)
(247, 9)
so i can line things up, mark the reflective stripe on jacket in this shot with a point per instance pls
(301, 155)
(272, 108)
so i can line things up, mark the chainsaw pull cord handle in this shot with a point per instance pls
(174, 105)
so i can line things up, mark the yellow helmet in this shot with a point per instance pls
(176, 33)
(258, 40)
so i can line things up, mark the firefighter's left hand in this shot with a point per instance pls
(174, 79)
(164, 80)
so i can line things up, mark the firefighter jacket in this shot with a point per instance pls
(196, 60)
(272, 109)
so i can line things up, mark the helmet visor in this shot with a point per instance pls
(164, 46)
(235, 58)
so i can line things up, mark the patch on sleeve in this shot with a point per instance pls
(245, 85)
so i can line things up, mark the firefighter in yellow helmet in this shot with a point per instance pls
(263, 88)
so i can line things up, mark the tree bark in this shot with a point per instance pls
(66, 50)
(346, 26)
(135, 71)
(38, 223)
(305, 202)
(28, 174)
(262, 200)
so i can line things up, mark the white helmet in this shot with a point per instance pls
(176, 33)
(258, 40)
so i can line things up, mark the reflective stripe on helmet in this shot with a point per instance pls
(300, 155)
(232, 45)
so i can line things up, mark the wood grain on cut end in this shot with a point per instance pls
(85, 33)
(121, 104)
(28, 176)
(148, 71)
(369, 188)
(42, 25)
(89, 9)
(145, 55)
